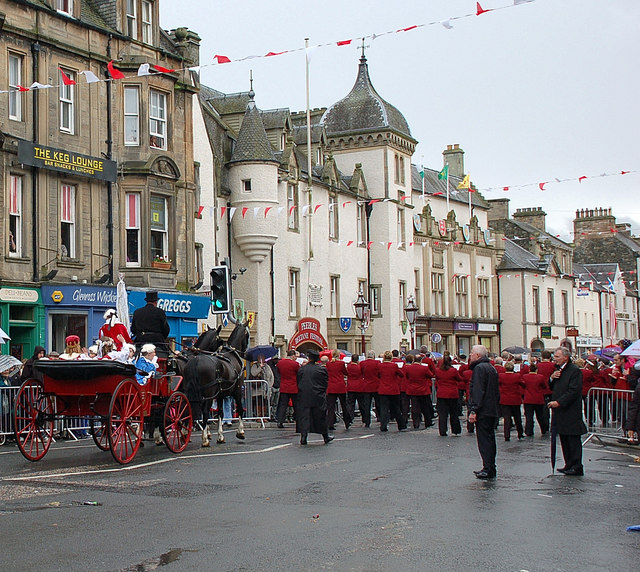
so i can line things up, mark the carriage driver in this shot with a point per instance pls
(149, 325)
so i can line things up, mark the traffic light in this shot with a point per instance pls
(220, 302)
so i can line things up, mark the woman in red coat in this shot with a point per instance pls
(337, 389)
(535, 386)
(356, 390)
(389, 393)
(447, 382)
(418, 388)
(511, 393)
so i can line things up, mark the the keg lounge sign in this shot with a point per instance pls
(66, 161)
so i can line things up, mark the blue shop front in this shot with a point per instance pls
(75, 309)
(183, 312)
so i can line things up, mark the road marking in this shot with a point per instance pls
(142, 465)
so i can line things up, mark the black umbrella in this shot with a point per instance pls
(517, 350)
(267, 351)
(554, 434)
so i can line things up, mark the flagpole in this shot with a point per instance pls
(309, 151)
(422, 173)
(447, 193)
(469, 191)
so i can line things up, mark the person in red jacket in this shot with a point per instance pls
(389, 393)
(447, 380)
(601, 380)
(337, 389)
(589, 369)
(535, 386)
(466, 376)
(371, 373)
(418, 387)
(356, 390)
(288, 369)
(545, 368)
(511, 391)
(618, 377)
(112, 328)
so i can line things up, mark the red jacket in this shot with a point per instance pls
(288, 369)
(466, 380)
(355, 381)
(511, 388)
(371, 372)
(418, 379)
(546, 368)
(500, 368)
(337, 372)
(587, 380)
(390, 378)
(535, 386)
(447, 381)
(113, 331)
(602, 379)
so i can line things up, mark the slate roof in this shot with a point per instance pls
(517, 258)
(586, 273)
(252, 143)
(364, 110)
(528, 230)
(226, 103)
(628, 242)
(434, 185)
(275, 118)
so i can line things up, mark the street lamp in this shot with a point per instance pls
(361, 308)
(411, 312)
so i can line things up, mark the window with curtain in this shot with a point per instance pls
(68, 221)
(159, 231)
(132, 222)
(15, 216)
(15, 80)
(67, 104)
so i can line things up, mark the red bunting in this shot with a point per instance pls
(266, 210)
(163, 70)
(350, 243)
(244, 211)
(389, 245)
(438, 193)
(113, 72)
(20, 88)
(369, 244)
(344, 43)
(580, 179)
(222, 211)
(541, 186)
(291, 209)
(505, 188)
(275, 54)
(66, 80)
(315, 209)
(200, 209)
(407, 29)
(480, 9)
(221, 59)
(624, 172)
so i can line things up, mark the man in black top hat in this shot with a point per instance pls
(311, 404)
(149, 324)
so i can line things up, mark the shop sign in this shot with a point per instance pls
(174, 305)
(572, 332)
(487, 327)
(464, 326)
(588, 342)
(308, 331)
(79, 295)
(545, 332)
(583, 291)
(18, 295)
(66, 161)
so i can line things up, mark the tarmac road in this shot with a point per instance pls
(368, 501)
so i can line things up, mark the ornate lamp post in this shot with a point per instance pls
(361, 308)
(411, 312)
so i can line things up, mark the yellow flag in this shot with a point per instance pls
(466, 183)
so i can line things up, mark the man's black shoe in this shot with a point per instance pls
(574, 472)
(303, 439)
(280, 426)
(478, 472)
(563, 470)
(328, 439)
(485, 475)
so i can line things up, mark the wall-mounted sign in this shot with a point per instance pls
(436, 338)
(486, 236)
(545, 332)
(466, 233)
(464, 326)
(573, 332)
(417, 222)
(66, 161)
(345, 324)
(442, 227)
(308, 331)
(18, 295)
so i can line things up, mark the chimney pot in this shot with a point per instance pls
(456, 146)
(449, 147)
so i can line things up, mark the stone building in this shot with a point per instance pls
(363, 221)
(97, 174)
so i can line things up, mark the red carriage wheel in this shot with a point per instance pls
(33, 416)
(177, 422)
(100, 434)
(125, 423)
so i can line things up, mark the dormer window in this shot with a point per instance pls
(65, 7)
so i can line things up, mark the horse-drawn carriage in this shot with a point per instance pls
(108, 393)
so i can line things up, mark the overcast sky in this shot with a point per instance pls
(543, 90)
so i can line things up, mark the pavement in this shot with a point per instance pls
(367, 501)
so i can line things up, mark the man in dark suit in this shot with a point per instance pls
(484, 408)
(311, 406)
(149, 324)
(566, 404)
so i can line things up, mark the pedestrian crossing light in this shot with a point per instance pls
(220, 302)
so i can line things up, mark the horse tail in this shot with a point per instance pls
(191, 387)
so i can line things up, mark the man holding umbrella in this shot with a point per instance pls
(566, 404)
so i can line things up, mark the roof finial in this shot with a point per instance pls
(363, 58)
(251, 92)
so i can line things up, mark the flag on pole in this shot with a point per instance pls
(465, 182)
(444, 174)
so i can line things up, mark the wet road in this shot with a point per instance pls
(368, 501)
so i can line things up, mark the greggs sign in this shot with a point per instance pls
(308, 332)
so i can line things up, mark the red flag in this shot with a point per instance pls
(113, 72)
(344, 42)
(221, 59)
(480, 9)
(20, 88)
(275, 54)
(244, 211)
(222, 211)
(407, 29)
(163, 70)
(580, 179)
(66, 79)
(266, 210)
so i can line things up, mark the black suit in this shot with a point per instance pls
(149, 325)
(567, 391)
(311, 402)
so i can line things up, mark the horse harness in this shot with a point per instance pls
(221, 383)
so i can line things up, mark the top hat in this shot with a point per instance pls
(152, 296)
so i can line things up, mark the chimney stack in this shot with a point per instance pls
(498, 209)
(454, 157)
(534, 216)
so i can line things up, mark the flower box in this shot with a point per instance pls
(162, 265)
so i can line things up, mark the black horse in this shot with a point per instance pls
(209, 376)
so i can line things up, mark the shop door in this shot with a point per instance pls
(67, 324)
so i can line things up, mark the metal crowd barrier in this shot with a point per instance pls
(7, 395)
(606, 412)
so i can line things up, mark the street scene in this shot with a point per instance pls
(366, 501)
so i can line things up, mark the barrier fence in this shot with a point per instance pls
(606, 412)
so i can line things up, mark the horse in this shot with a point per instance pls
(209, 376)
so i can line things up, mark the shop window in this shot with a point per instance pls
(132, 216)
(68, 221)
(15, 216)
